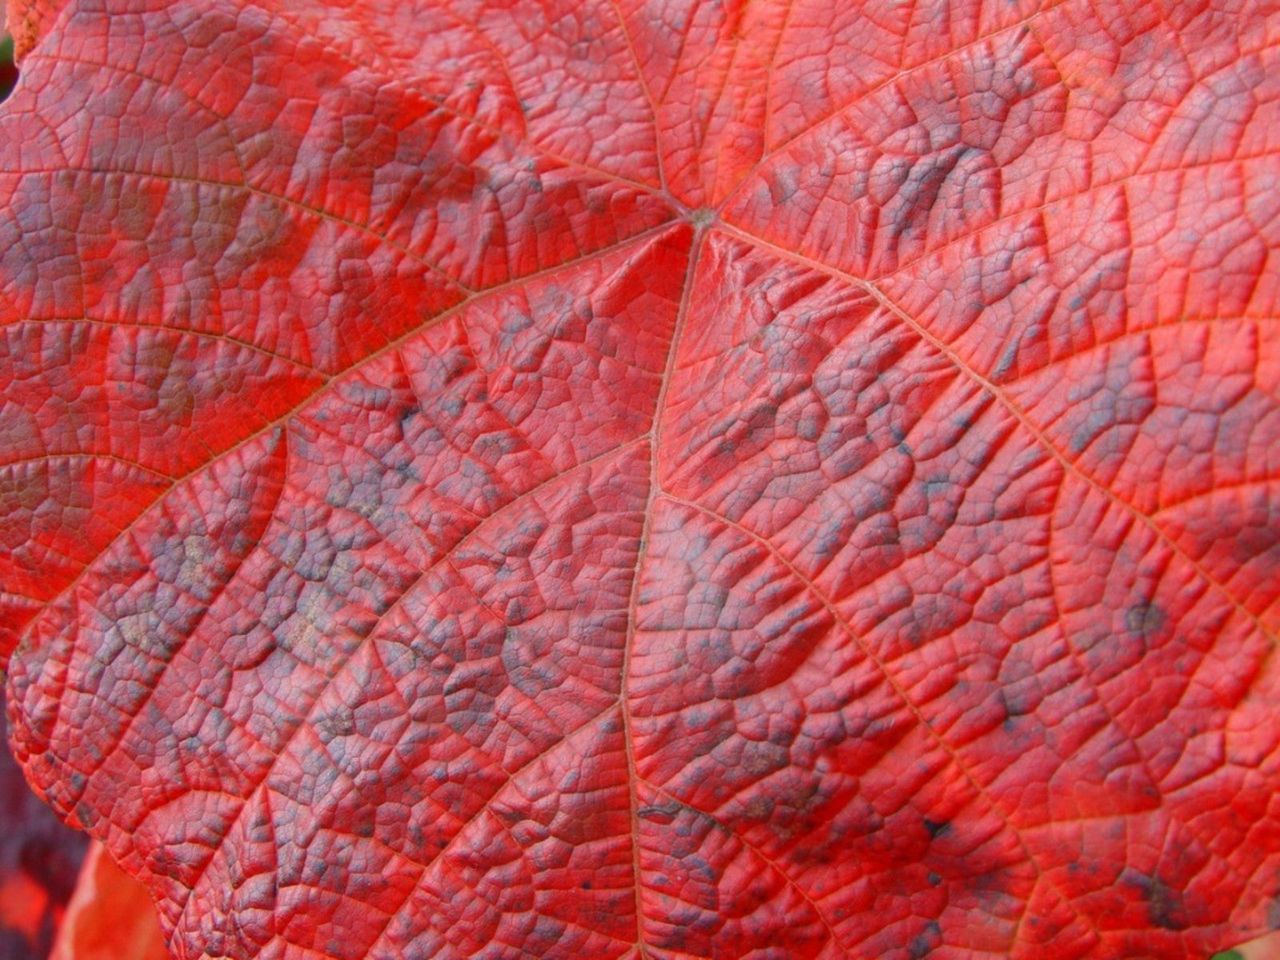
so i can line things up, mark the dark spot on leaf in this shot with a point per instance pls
(1165, 905)
(508, 814)
(936, 828)
(1006, 362)
(1015, 704)
(664, 813)
(759, 808)
(339, 723)
(925, 942)
(1144, 619)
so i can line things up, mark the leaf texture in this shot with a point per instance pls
(651, 478)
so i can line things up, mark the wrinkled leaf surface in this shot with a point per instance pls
(651, 478)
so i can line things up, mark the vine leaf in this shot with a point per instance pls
(650, 478)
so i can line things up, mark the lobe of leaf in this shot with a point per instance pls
(650, 478)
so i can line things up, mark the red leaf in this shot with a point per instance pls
(110, 917)
(652, 479)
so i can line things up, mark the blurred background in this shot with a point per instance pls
(40, 861)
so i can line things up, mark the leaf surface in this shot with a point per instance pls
(651, 479)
